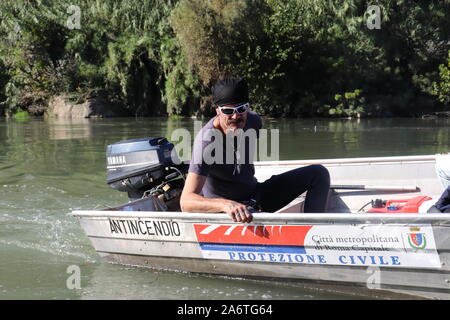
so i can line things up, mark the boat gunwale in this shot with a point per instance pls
(339, 161)
(297, 218)
(287, 218)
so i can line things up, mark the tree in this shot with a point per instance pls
(441, 88)
(156, 57)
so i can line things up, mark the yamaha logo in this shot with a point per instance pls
(116, 160)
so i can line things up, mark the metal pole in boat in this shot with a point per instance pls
(376, 188)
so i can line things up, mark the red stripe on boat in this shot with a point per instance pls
(263, 235)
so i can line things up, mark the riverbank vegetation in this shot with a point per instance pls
(157, 57)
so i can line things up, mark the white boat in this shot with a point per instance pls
(346, 249)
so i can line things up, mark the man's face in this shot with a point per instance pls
(234, 121)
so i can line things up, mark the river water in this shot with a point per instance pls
(50, 167)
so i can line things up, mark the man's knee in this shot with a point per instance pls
(321, 172)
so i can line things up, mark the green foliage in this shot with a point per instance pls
(441, 88)
(3, 81)
(21, 116)
(350, 104)
(115, 53)
(161, 56)
(257, 40)
(31, 50)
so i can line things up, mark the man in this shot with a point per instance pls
(224, 186)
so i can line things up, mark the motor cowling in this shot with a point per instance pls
(136, 166)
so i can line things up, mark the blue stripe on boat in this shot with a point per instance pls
(252, 248)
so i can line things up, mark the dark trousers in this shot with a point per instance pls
(276, 192)
(443, 204)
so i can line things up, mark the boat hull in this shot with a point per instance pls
(379, 253)
(375, 254)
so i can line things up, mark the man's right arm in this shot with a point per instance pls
(192, 201)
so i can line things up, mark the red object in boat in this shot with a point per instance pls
(401, 206)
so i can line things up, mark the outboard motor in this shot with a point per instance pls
(147, 166)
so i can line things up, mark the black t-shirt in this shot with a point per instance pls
(227, 160)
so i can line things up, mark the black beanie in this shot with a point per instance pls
(230, 91)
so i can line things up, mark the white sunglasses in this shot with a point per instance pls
(229, 111)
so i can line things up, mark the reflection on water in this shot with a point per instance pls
(62, 129)
(49, 168)
(109, 281)
(308, 139)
